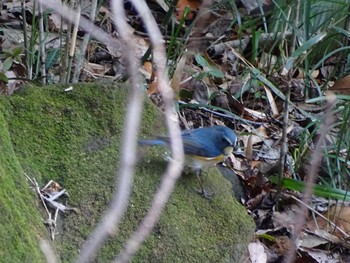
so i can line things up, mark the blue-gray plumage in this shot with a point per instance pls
(203, 146)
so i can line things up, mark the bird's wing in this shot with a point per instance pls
(195, 146)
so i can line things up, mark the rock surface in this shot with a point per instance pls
(73, 138)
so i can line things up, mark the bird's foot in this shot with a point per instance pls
(204, 193)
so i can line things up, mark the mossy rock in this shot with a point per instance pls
(73, 138)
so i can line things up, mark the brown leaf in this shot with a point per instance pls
(249, 148)
(175, 81)
(339, 215)
(97, 69)
(182, 4)
(342, 86)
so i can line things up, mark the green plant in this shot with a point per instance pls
(10, 57)
(209, 69)
(337, 155)
(318, 190)
(318, 26)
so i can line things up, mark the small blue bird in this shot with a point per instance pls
(203, 147)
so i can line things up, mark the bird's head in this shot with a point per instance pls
(226, 140)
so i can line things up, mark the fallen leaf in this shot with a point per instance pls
(339, 215)
(321, 256)
(311, 241)
(97, 69)
(342, 86)
(257, 252)
(175, 81)
(181, 6)
(272, 102)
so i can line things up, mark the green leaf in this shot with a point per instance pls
(306, 46)
(268, 83)
(52, 57)
(7, 64)
(3, 77)
(17, 51)
(325, 98)
(216, 73)
(201, 61)
(7, 53)
(201, 75)
(267, 237)
(255, 43)
(341, 30)
(318, 190)
(212, 71)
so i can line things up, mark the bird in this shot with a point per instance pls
(203, 147)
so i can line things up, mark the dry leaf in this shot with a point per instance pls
(339, 215)
(342, 86)
(272, 102)
(310, 241)
(257, 252)
(249, 149)
(260, 134)
(175, 81)
(182, 4)
(97, 69)
(322, 256)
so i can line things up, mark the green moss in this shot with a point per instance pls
(73, 138)
(20, 223)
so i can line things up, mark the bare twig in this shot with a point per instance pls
(37, 190)
(42, 45)
(315, 165)
(28, 63)
(69, 15)
(64, 45)
(84, 44)
(113, 216)
(175, 166)
(322, 216)
(73, 41)
(48, 196)
(284, 144)
(295, 26)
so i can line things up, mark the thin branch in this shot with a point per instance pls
(85, 24)
(84, 44)
(42, 45)
(73, 41)
(111, 220)
(322, 216)
(28, 63)
(174, 168)
(284, 143)
(315, 165)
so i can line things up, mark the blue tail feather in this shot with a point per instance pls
(153, 142)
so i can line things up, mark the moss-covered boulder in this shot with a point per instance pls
(73, 137)
(20, 223)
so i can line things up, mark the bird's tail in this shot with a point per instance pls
(153, 142)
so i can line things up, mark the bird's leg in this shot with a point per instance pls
(202, 191)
